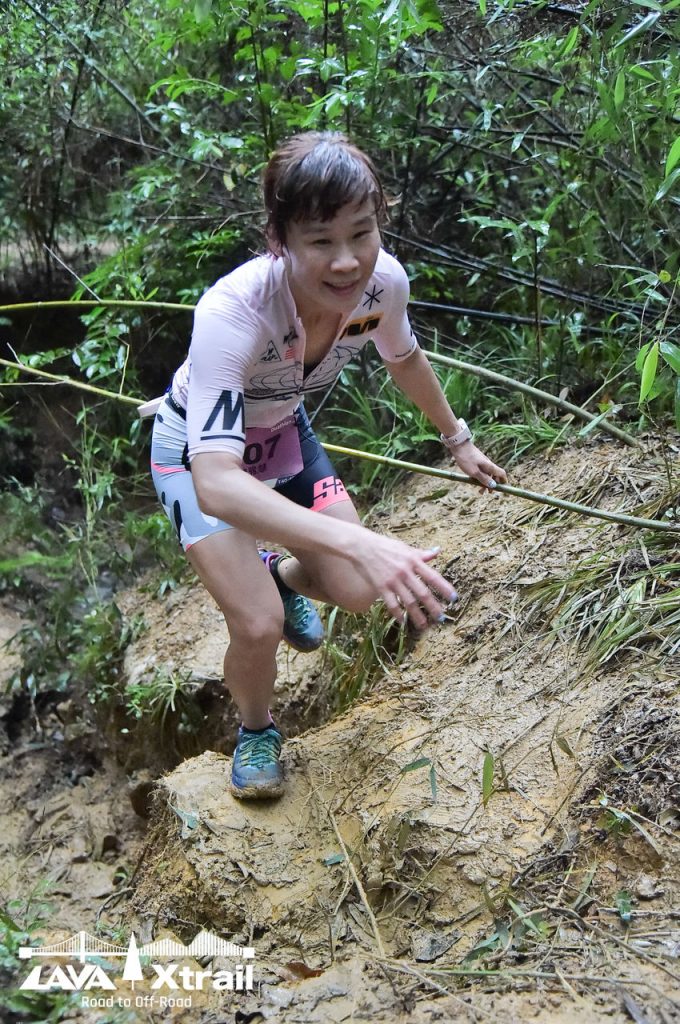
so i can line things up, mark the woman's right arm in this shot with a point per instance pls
(398, 573)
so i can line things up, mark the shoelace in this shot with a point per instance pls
(297, 610)
(257, 751)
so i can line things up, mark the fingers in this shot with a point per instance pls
(415, 596)
(430, 553)
(490, 474)
(409, 587)
(499, 474)
(481, 469)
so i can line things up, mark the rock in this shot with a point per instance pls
(648, 888)
(429, 946)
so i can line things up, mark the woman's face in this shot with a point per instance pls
(329, 262)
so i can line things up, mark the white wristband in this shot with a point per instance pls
(454, 440)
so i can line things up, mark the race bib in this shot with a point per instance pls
(273, 452)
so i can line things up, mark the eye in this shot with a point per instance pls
(362, 234)
(320, 241)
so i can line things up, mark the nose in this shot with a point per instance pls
(344, 260)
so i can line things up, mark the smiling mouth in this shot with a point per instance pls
(350, 286)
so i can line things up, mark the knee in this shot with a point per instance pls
(258, 632)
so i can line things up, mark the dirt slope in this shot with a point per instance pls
(382, 869)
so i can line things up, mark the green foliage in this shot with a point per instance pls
(359, 650)
(517, 929)
(20, 920)
(370, 413)
(536, 163)
(165, 705)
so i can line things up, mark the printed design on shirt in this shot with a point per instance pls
(362, 326)
(271, 354)
(226, 418)
(412, 345)
(327, 492)
(372, 296)
(289, 341)
(329, 368)
(280, 382)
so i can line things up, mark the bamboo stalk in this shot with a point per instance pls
(90, 303)
(434, 357)
(413, 467)
(528, 389)
(81, 385)
(519, 492)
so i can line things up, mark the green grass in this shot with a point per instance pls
(360, 650)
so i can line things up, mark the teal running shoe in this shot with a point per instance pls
(302, 627)
(256, 772)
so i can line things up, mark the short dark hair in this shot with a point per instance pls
(311, 176)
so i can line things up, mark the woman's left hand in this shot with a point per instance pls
(475, 463)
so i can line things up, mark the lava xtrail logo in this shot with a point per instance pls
(169, 979)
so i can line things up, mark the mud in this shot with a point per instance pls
(369, 890)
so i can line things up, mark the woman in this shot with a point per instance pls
(234, 457)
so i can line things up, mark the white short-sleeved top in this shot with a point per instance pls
(245, 366)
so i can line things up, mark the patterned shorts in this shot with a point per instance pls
(317, 486)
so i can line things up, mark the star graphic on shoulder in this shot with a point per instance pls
(373, 296)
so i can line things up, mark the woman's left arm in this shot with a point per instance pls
(416, 378)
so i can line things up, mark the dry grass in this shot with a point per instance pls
(627, 599)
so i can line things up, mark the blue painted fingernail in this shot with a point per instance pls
(434, 551)
(492, 483)
(453, 598)
(441, 618)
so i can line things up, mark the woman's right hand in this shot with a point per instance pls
(403, 578)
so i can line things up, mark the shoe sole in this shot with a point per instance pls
(303, 650)
(268, 791)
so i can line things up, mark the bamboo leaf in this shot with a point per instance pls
(642, 26)
(414, 765)
(611, 410)
(202, 9)
(9, 922)
(641, 72)
(433, 783)
(620, 89)
(671, 354)
(564, 745)
(673, 157)
(30, 558)
(642, 830)
(487, 777)
(649, 371)
(667, 184)
(482, 7)
(641, 356)
(570, 42)
(390, 12)
(677, 404)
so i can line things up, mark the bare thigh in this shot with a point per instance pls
(334, 576)
(230, 568)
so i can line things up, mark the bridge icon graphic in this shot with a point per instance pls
(83, 945)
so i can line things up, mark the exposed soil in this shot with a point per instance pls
(386, 866)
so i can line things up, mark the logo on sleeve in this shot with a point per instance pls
(226, 418)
